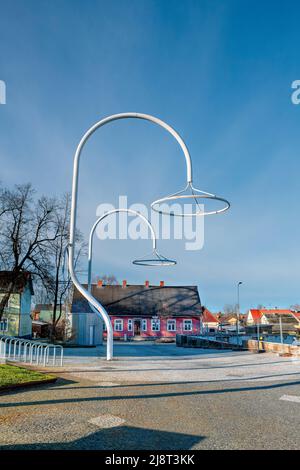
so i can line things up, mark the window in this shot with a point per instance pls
(129, 325)
(104, 327)
(171, 325)
(187, 325)
(4, 324)
(144, 325)
(118, 325)
(155, 324)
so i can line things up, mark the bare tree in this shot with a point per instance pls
(108, 279)
(230, 309)
(26, 229)
(58, 282)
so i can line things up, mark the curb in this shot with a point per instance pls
(33, 383)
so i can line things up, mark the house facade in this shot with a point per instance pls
(255, 316)
(285, 320)
(210, 322)
(16, 319)
(264, 315)
(138, 312)
(43, 312)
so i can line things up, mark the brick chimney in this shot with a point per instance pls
(124, 283)
(162, 284)
(100, 283)
(146, 283)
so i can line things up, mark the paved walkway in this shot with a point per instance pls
(151, 362)
(164, 398)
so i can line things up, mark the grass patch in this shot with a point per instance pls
(13, 375)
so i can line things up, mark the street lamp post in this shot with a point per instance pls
(238, 311)
(258, 334)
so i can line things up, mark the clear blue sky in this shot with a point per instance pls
(220, 72)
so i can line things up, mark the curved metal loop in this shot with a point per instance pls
(197, 195)
(157, 260)
(100, 219)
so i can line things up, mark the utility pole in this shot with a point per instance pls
(258, 346)
(281, 334)
(238, 312)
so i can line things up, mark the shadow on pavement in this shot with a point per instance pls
(149, 396)
(170, 384)
(119, 438)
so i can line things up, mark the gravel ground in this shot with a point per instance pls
(206, 400)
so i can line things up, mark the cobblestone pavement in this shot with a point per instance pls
(159, 397)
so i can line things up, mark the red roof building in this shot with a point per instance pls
(261, 316)
(138, 312)
(210, 323)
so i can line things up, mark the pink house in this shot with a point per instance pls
(146, 312)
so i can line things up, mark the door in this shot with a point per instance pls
(137, 327)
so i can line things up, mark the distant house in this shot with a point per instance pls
(290, 320)
(263, 315)
(228, 321)
(138, 311)
(255, 316)
(43, 312)
(42, 319)
(16, 319)
(210, 322)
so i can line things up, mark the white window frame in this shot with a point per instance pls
(187, 322)
(155, 321)
(130, 324)
(2, 321)
(144, 324)
(171, 322)
(118, 321)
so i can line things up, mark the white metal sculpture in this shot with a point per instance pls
(179, 195)
(195, 194)
(157, 260)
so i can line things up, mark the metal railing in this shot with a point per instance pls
(30, 351)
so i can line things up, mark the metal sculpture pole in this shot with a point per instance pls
(100, 309)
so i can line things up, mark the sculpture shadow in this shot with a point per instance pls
(118, 438)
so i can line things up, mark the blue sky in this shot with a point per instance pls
(220, 72)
